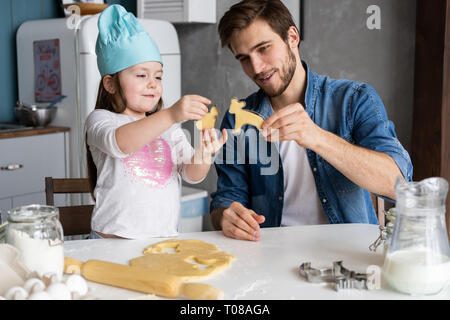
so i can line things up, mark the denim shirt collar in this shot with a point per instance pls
(265, 107)
(311, 90)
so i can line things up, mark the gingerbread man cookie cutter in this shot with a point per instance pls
(340, 277)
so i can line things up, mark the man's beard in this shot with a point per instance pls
(287, 74)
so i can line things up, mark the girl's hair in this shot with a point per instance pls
(244, 13)
(115, 103)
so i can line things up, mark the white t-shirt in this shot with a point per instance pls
(137, 195)
(301, 201)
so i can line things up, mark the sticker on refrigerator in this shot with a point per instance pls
(47, 70)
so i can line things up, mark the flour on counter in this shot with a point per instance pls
(242, 293)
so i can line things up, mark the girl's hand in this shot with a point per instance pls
(210, 143)
(189, 107)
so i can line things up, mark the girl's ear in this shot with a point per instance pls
(109, 84)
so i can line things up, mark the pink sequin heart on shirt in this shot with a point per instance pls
(152, 164)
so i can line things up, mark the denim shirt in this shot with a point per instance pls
(348, 109)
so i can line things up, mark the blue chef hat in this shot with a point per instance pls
(122, 42)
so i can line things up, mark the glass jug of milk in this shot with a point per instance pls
(418, 258)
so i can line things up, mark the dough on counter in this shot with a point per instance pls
(187, 259)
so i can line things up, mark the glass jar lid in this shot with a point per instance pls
(32, 213)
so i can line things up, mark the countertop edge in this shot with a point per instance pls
(32, 132)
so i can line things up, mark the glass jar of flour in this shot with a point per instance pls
(36, 232)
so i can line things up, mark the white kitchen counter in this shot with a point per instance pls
(264, 270)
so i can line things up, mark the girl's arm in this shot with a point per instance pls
(133, 136)
(200, 163)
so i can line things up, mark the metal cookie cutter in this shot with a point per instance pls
(339, 276)
(385, 231)
(380, 240)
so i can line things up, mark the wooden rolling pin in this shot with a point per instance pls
(141, 279)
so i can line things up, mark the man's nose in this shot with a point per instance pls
(257, 65)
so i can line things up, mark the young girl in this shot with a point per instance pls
(136, 152)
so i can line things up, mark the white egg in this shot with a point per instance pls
(41, 295)
(50, 277)
(59, 291)
(34, 285)
(16, 293)
(76, 283)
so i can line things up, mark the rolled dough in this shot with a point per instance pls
(187, 259)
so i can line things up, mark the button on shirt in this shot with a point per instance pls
(348, 109)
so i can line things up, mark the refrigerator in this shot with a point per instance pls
(57, 57)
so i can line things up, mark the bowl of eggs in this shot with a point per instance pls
(18, 282)
(49, 287)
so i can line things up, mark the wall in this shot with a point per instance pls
(336, 42)
(12, 14)
(342, 46)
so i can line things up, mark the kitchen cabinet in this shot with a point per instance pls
(431, 123)
(178, 11)
(194, 206)
(25, 161)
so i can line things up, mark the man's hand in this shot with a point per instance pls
(371, 170)
(292, 123)
(241, 223)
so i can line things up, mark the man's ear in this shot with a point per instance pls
(293, 37)
(109, 84)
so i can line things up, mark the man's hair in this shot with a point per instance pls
(244, 13)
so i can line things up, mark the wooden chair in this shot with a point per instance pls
(379, 206)
(75, 220)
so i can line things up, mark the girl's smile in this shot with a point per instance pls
(142, 88)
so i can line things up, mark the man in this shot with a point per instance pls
(333, 140)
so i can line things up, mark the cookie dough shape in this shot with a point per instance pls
(243, 117)
(187, 259)
(208, 121)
